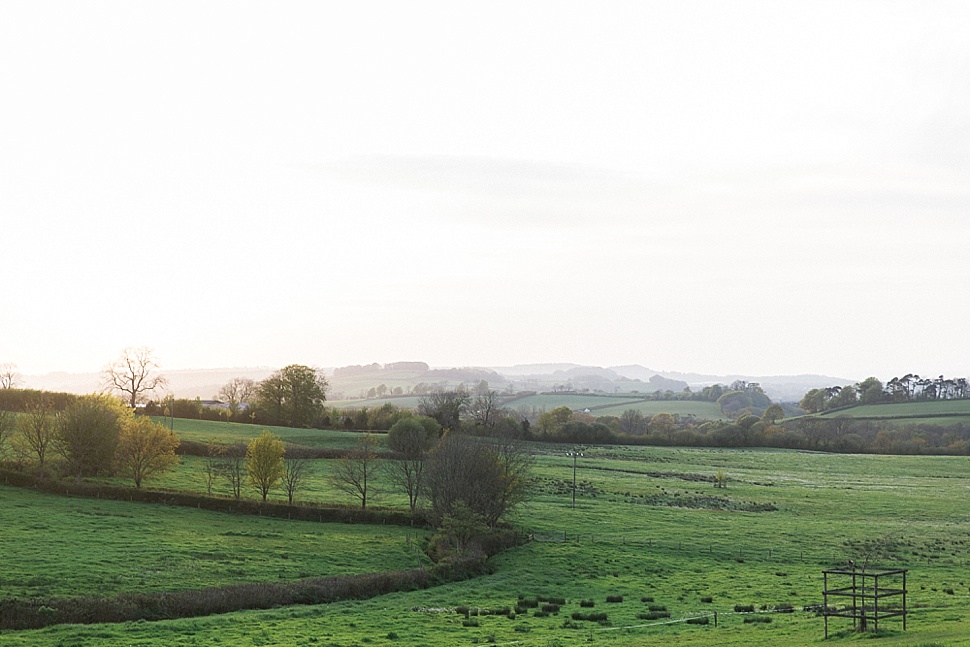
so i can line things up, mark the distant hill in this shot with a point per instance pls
(351, 382)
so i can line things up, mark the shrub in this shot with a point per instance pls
(614, 598)
(595, 616)
(653, 615)
(646, 598)
(657, 607)
(540, 614)
(550, 608)
(587, 603)
(552, 600)
(784, 608)
(699, 621)
(744, 608)
(707, 599)
(757, 620)
(469, 622)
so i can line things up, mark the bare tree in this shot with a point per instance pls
(9, 377)
(134, 374)
(8, 422)
(484, 408)
(236, 392)
(36, 426)
(355, 473)
(411, 437)
(296, 468)
(211, 464)
(232, 467)
(446, 407)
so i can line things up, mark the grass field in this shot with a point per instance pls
(231, 432)
(65, 546)
(648, 527)
(941, 413)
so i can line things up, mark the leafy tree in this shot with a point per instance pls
(814, 401)
(134, 374)
(846, 397)
(663, 423)
(870, 391)
(550, 421)
(773, 414)
(413, 438)
(293, 396)
(355, 473)
(36, 432)
(236, 392)
(145, 448)
(86, 434)
(264, 462)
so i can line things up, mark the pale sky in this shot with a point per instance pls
(721, 187)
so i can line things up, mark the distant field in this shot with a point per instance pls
(615, 405)
(942, 412)
(230, 432)
(401, 402)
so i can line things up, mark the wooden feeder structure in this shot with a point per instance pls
(873, 597)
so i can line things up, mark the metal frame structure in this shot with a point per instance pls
(866, 593)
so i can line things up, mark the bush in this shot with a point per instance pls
(653, 615)
(553, 600)
(744, 608)
(550, 608)
(587, 603)
(646, 598)
(707, 599)
(699, 621)
(757, 620)
(657, 607)
(614, 598)
(595, 616)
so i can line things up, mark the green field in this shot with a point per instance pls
(614, 405)
(647, 524)
(942, 412)
(232, 432)
(67, 546)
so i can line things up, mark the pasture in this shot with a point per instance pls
(938, 412)
(648, 530)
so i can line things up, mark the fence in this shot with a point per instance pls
(784, 554)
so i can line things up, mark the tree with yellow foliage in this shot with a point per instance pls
(264, 462)
(145, 448)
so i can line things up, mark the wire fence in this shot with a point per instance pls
(733, 550)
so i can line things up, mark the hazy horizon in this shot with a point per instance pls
(752, 188)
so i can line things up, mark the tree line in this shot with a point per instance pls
(908, 388)
(89, 435)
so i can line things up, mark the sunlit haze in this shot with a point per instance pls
(752, 188)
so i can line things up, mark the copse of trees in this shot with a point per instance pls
(908, 388)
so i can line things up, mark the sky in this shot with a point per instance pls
(756, 188)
